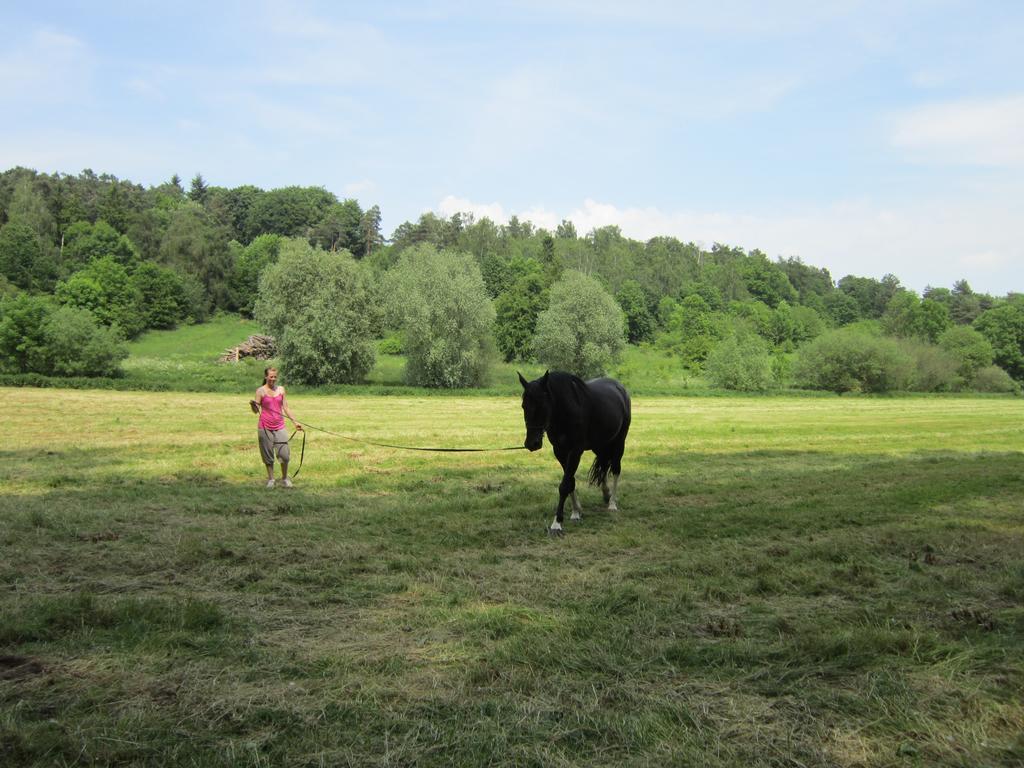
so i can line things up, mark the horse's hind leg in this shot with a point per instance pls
(577, 509)
(614, 470)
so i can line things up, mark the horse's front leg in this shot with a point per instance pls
(570, 463)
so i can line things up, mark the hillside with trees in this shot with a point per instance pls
(89, 261)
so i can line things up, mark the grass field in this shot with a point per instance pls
(789, 582)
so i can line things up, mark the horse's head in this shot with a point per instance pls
(536, 410)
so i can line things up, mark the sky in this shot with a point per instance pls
(864, 137)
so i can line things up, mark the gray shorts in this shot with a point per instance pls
(274, 441)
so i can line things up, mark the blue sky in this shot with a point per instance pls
(865, 137)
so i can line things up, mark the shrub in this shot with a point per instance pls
(75, 344)
(852, 360)
(319, 308)
(439, 300)
(391, 345)
(935, 370)
(516, 311)
(740, 363)
(1003, 326)
(581, 331)
(21, 331)
(105, 288)
(992, 378)
(969, 348)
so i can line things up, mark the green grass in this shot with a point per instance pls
(789, 581)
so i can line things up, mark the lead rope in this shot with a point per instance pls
(302, 455)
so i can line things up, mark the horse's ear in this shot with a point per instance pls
(544, 379)
(522, 381)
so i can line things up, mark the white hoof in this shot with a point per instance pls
(576, 517)
(613, 507)
(555, 529)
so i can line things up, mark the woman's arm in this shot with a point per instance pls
(255, 402)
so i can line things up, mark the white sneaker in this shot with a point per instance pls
(287, 482)
(270, 483)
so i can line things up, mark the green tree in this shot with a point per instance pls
(161, 293)
(439, 300)
(290, 211)
(21, 330)
(516, 312)
(369, 231)
(105, 288)
(581, 331)
(341, 229)
(20, 254)
(196, 245)
(319, 307)
(199, 192)
(1003, 326)
(248, 266)
(690, 331)
(740, 362)
(84, 242)
(969, 347)
(634, 304)
(851, 360)
(766, 281)
(75, 344)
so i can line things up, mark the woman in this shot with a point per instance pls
(270, 405)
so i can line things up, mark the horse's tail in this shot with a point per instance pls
(599, 469)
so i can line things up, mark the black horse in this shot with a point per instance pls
(578, 416)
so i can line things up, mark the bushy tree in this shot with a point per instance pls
(318, 305)
(196, 245)
(249, 264)
(691, 330)
(970, 348)
(341, 229)
(439, 301)
(740, 362)
(581, 331)
(37, 337)
(639, 321)
(25, 259)
(75, 344)
(851, 360)
(516, 311)
(21, 330)
(84, 242)
(934, 369)
(289, 211)
(1003, 326)
(909, 317)
(161, 293)
(105, 288)
(992, 378)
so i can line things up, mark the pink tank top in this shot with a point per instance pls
(270, 412)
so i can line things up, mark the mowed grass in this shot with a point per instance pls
(788, 582)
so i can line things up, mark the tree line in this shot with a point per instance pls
(90, 260)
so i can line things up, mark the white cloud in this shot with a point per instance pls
(935, 243)
(49, 67)
(987, 132)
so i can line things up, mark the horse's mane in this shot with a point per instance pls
(564, 385)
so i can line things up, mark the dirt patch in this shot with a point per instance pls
(973, 617)
(13, 667)
(101, 536)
